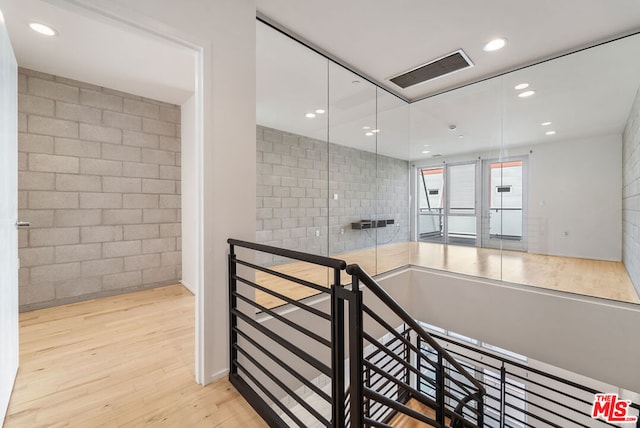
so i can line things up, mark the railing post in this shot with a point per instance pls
(233, 320)
(440, 395)
(418, 363)
(503, 394)
(356, 354)
(337, 342)
(480, 410)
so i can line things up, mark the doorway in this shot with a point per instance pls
(447, 204)
(478, 203)
(504, 204)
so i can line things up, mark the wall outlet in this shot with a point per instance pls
(565, 233)
(335, 196)
(317, 233)
(342, 231)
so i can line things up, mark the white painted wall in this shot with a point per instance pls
(588, 336)
(8, 214)
(224, 31)
(189, 194)
(575, 186)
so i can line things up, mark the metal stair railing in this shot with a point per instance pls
(469, 408)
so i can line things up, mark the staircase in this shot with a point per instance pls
(351, 356)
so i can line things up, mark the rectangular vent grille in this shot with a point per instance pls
(448, 64)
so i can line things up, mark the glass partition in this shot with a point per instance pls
(291, 159)
(393, 183)
(530, 177)
(352, 167)
(452, 135)
(568, 164)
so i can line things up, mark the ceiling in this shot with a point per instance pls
(384, 38)
(380, 39)
(583, 94)
(96, 50)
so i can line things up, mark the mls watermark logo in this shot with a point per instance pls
(611, 409)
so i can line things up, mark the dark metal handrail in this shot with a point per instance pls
(375, 288)
(291, 254)
(502, 365)
(392, 367)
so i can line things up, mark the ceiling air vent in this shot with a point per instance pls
(443, 66)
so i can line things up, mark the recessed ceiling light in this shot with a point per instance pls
(366, 127)
(521, 86)
(494, 45)
(550, 132)
(356, 82)
(42, 29)
(369, 134)
(375, 131)
(424, 152)
(545, 123)
(310, 115)
(320, 111)
(526, 94)
(461, 136)
(426, 145)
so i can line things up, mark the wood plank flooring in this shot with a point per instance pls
(596, 278)
(121, 361)
(400, 420)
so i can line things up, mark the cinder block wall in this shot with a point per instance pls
(99, 178)
(631, 194)
(297, 180)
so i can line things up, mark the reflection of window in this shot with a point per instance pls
(515, 392)
(462, 188)
(515, 397)
(506, 185)
(432, 183)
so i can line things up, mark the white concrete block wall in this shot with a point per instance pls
(297, 180)
(99, 178)
(631, 193)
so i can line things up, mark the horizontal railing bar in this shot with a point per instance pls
(394, 356)
(304, 356)
(424, 399)
(373, 286)
(543, 386)
(379, 361)
(391, 341)
(381, 356)
(399, 407)
(467, 357)
(538, 417)
(281, 275)
(374, 423)
(385, 382)
(285, 298)
(390, 329)
(285, 366)
(291, 254)
(284, 320)
(282, 386)
(464, 389)
(495, 409)
(518, 365)
(269, 394)
(377, 410)
(539, 406)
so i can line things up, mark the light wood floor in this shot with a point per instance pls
(596, 278)
(400, 420)
(122, 361)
